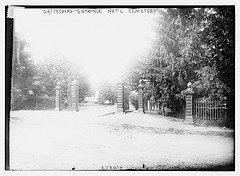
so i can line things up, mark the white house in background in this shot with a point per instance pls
(92, 99)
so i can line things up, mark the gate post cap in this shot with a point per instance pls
(58, 85)
(189, 85)
(74, 82)
(189, 89)
(140, 86)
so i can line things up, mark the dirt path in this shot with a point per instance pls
(50, 140)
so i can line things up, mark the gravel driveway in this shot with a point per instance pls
(90, 140)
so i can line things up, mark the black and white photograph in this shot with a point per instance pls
(120, 88)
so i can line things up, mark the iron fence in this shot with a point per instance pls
(211, 110)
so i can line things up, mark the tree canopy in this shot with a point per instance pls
(23, 72)
(108, 91)
(191, 45)
(30, 80)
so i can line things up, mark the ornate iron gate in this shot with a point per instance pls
(67, 96)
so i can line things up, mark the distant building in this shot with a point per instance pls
(92, 99)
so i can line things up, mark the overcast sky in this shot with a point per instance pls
(103, 44)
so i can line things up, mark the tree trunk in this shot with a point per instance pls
(164, 110)
(36, 104)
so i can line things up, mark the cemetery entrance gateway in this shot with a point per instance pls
(67, 96)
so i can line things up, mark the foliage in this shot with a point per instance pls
(126, 96)
(220, 38)
(31, 81)
(53, 71)
(134, 99)
(108, 91)
(191, 45)
(23, 72)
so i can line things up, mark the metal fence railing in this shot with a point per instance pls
(150, 107)
(211, 110)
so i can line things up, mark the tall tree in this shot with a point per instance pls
(192, 44)
(108, 91)
(53, 71)
(220, 39)
(29, 80)
(23, 72)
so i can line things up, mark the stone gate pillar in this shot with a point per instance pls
(189, 92)
(148, 105)
(58, 98)
(75, 95)
(120, 97)
(140, 98)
